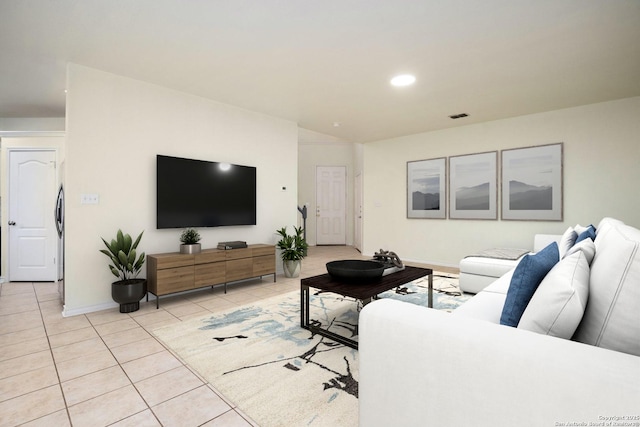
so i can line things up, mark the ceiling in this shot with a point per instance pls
(327, 63)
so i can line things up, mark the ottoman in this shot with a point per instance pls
(478, 272)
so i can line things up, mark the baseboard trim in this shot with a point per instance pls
(68, 312)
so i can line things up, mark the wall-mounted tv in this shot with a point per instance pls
(198, 193)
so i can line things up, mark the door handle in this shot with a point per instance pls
(12, 223)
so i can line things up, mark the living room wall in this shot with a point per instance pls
(115, 128)
(601, 175)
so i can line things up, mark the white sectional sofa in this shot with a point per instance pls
(423, 367)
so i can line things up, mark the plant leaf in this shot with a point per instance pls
(139, 263)
(135, 245)
(120, 240)
(126, 243)
(106, 252)
(122, 257)
(115, 271)
(132, 256)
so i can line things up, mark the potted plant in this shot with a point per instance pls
(190, 238)
(293, 249)
(128, 290)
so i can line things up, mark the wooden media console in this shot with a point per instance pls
(175, 272)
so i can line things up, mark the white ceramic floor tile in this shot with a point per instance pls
(95, 384)
(29, 362)
(107, 408)
(151, 365)
(31, 406)
(154, 390)
(204, 405)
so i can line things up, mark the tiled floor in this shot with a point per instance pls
(105, 368)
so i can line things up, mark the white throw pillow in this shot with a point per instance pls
(587, 247)
(566, 242)
(580, 229)
(558, 304)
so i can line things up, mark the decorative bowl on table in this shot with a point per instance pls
(355, 270)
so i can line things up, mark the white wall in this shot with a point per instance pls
(601, 177)
(115, 127)
(32, 124)
(316, 149)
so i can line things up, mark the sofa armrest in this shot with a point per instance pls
(541, 241)
(421, 366)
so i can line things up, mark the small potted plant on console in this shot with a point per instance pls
(128, 290)
(190, 238)
(293, 249)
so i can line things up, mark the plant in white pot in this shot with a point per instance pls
(128, 290)
(190, 238)
(293, 248)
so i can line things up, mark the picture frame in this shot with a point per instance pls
(532, 183)
(473, 186)
(426, 188)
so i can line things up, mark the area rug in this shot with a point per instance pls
(279, 374)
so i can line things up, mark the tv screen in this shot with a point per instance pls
(198, 193)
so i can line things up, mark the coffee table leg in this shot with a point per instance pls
(304, 306)
(430, 290)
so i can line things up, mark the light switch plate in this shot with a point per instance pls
(89, 199)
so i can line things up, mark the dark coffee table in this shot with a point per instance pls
(364, 292)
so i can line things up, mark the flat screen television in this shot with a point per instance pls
(198, 193)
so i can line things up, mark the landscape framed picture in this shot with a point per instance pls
(532, 183)
(473, 186)
(426, 188)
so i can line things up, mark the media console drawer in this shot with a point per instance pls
(263, 265)
(209, 274)
(176, 279)
(175, 272)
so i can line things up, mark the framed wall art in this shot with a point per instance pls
(532, 183)
(473, 186)
(426, 188)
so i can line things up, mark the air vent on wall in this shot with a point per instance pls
(458, 116)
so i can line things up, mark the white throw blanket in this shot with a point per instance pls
(501, 253)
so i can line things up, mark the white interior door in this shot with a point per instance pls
(357, 197)
(31, 224)
(331, 205)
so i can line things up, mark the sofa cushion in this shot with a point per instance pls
(580, 229)
(567, 240)
(558, 304)
(587, 247)
(588, 233)
(612, 319)
(487, 305)
(526, 278)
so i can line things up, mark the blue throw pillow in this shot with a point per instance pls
(526, 278)
(590, 233)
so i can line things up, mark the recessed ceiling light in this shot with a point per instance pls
(403, 80)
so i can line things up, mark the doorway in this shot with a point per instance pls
(31, 224)
(357, 227)
(331, 205)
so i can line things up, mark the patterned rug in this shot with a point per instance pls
(279, 374)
